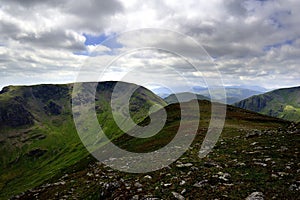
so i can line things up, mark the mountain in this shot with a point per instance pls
(183, 97)
(37, 132)
(42, 156)
(282, 103)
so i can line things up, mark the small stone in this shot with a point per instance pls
(138, 185)
(184, 165)
(183, 191)
(178, 196)
(255, 196)
(261, 164)
(240, 164)
(135, 197)
(224, 176)
(282, 174)
(167, 184)
(182, 182)
(147, 177)
(200, 183)
(274, 176)
(89, 174)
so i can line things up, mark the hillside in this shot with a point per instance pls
(183, 97)
(282, 103)
(255, 156)
(37, 131)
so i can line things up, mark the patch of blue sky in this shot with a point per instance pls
(278, 45)
(94, 39)
(276, 18)
(102, 39)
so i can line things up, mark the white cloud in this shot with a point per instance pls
(253, 42)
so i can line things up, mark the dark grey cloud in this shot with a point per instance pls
(236, 8)
(31, 3)
(58, 39)
(7, 29)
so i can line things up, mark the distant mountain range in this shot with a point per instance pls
(233, 93)
(282, 103)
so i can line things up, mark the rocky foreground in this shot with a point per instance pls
(245, 164)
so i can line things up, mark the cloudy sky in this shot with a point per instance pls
(252, 42)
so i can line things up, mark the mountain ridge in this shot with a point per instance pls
(282, 103)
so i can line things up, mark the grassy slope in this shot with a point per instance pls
(282, 103)
(233, 148)
(33, 153)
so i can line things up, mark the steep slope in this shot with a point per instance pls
(255, 153)
(282, 103)
(37, 133)
(183, 97)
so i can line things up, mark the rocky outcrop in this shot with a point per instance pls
(54, 92)
(255, 103)
(15, 115)
(53, 108)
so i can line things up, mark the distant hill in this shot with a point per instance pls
(233, 94)
(282, 103)
(184, 97)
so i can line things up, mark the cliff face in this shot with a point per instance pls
(15, 115)
(22, 105)
(281, 103)
(255, 103)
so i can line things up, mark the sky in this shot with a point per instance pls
(250, 42)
